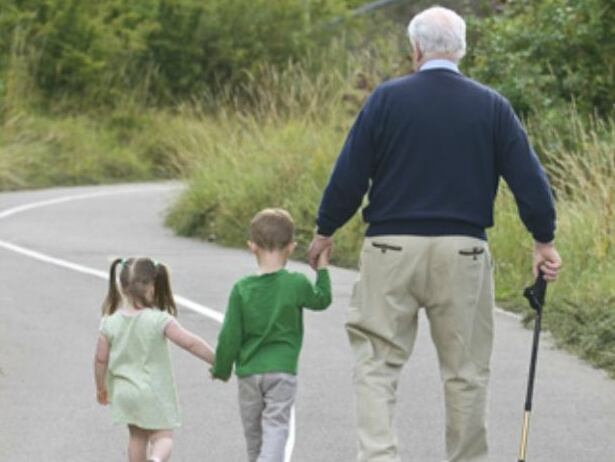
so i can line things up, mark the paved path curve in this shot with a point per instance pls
(50, 317)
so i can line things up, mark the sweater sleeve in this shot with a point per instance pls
(229, 339)
(316, 296)
(520, 167)
(353, 169)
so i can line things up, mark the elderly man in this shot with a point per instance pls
(430, 148)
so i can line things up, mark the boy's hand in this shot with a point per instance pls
(101, 397)
(323, 258)
(319, 245)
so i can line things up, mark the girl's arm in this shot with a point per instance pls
(189, 341)
(101, 361)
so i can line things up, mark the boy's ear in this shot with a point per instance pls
(252, 246)
(291, 247)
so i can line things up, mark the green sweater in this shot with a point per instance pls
(263, 326)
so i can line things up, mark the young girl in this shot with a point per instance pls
(132, 365)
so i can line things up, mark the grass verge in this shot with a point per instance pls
(247, 163)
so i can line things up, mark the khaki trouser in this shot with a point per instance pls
(451, 277)
(265, 404)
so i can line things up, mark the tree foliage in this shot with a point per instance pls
(542, 53)
(539, 53)
(169, 48)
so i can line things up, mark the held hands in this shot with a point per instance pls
(547, 259)
(320, 251)
(101, 397)
(323, 258)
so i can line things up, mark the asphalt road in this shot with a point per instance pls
(50, 316)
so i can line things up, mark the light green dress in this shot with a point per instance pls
(140, 381)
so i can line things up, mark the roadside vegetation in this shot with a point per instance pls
(256, 162)
(252, 116)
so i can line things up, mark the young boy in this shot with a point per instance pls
(263, 331)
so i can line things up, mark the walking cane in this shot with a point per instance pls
(535, 295)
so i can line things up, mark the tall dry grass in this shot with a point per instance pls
(243, 162)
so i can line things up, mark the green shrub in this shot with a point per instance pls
(95, 52)
(90, 51)
(543, 54)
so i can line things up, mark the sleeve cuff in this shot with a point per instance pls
(328, 232)
(216, 374)
(544, 238)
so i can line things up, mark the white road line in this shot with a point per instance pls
(182, 301)
(77, 197)
(201, 309)
(290, 442)
(53, 261)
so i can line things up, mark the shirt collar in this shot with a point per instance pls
(440, 64)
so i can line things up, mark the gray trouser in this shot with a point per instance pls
(265, 403)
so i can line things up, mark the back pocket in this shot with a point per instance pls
(386, 247)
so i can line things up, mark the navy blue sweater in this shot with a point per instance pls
(430, 149)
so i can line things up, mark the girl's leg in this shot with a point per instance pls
(161, 443)
(137, 444)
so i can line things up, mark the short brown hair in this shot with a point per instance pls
(272, 229)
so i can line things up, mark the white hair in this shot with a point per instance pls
(438, 31)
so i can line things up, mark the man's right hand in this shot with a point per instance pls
(547, 260)
(318, 245)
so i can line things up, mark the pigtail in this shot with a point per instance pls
(162, 290)
(113, 295)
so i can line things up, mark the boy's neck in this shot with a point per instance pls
(270, 261)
